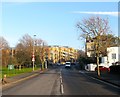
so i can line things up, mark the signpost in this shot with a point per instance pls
(10, 67)
(33, 60)
(33, 55)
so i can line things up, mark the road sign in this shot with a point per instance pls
(33, 55)
(10, 67)
(33, 59)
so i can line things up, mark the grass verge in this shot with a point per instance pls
(14, 72)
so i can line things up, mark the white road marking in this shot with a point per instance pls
(62, 91)
(61, 83)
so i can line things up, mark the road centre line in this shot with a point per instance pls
(62, 91)
(61, 83)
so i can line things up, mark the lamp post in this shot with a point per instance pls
(46, 59)
(33, 56)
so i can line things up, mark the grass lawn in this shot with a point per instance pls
(15, 72)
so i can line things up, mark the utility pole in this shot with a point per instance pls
(33, 55)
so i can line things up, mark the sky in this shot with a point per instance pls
(53, 22)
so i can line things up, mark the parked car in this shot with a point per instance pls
(103, 69)
(67, 65)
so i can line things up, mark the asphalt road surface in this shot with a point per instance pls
(62, 81)
(78, 83)
(46, 83)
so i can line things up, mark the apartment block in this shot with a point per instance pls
(90, 49)
(62, 54)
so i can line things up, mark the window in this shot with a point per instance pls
(114, 56)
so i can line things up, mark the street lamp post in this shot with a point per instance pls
(33, 56)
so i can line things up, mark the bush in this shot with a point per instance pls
(115, 69)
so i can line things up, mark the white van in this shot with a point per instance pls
(67, 64)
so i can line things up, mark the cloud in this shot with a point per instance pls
(97, 13)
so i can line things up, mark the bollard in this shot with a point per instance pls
(4, 81)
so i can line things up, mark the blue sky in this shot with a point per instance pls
(52, 22)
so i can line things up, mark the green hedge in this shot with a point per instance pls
(115, 69)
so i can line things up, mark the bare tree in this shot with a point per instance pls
(38, 42)
(107, 41)
(20, 54)
(3, 43)
(43, 52)
(24, 50)
(4, 52)
(26, 40)
(94, 28)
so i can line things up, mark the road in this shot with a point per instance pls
(78, 83)
(46, 83)
(62, 81)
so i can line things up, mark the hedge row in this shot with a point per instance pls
(115, 69)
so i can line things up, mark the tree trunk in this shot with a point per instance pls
(98, 70)
(97, 55)
(43, 65)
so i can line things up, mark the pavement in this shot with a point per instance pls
(107, 77)
(21, 77)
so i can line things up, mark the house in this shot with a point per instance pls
(90, 48)
(113, 55)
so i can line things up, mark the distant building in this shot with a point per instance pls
(62, 54)
(104, 41)
(55, 54)
(90, 48)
